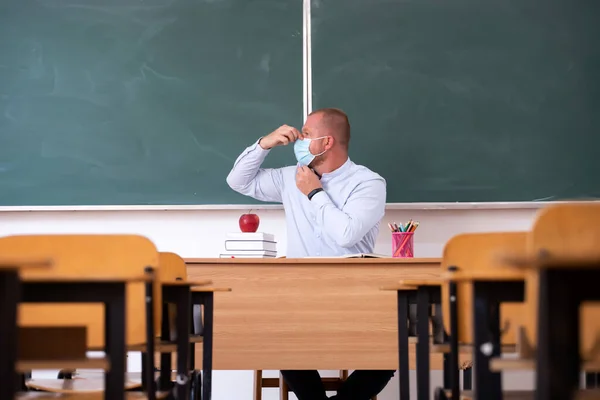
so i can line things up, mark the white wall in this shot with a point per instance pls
(201, 234)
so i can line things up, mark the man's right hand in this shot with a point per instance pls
(281, 136)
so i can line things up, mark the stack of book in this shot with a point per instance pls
(250, 245)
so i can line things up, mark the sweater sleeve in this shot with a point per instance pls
(362, 211)
(248, 178)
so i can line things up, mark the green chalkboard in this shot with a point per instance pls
(134, 102)
(466, 100)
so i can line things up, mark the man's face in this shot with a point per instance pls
(313, 129)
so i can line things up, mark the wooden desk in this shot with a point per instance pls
(310, 313)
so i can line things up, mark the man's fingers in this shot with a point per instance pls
(293, 134)
(296, 133)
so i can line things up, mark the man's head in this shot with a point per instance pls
(333, 126)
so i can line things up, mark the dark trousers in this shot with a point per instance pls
(360, 385)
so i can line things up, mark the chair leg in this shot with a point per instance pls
(467, 378)
(284, 389)
(343, 374)
(65, 374)
(258, 385)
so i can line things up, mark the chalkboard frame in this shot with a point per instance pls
(431, 206)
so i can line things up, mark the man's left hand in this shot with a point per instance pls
(307, 180)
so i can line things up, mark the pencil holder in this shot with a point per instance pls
(402, 244)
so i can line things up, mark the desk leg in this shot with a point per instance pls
(183, 342)
(468, 378)
(454, 351)
(207, 349)
(192, 345)
(412, 320)
(423, 343)
(164, 379)
(9, 298)
(440, 337)
(148, 382)
(486, 326)
(591, 380)
(403, 351)
(558, 337)
(115, 328)
(197, 329)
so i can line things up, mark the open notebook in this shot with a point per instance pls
(358, 255)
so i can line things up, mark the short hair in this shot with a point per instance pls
(336, 120)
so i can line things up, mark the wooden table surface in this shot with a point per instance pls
(308, 313)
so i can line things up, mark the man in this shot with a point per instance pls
(332, 207)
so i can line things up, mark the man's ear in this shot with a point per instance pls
(329, 142)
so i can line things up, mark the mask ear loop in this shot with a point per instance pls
(321, 153)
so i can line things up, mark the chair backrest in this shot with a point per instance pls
(570, 230)
(474, 252)
(91, 257)
(172, 267)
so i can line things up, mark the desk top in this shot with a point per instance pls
(315, 261)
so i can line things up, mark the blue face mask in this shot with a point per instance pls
(302, 151)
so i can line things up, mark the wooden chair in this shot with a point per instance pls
(468, 256)
(331, 384)
(88, 269)
(562, 268)
(472, 253)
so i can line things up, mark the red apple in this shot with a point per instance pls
(249, 222)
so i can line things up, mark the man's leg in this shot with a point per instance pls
(363, 385)
(305, 384)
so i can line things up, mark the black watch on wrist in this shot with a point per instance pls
(313, 192)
